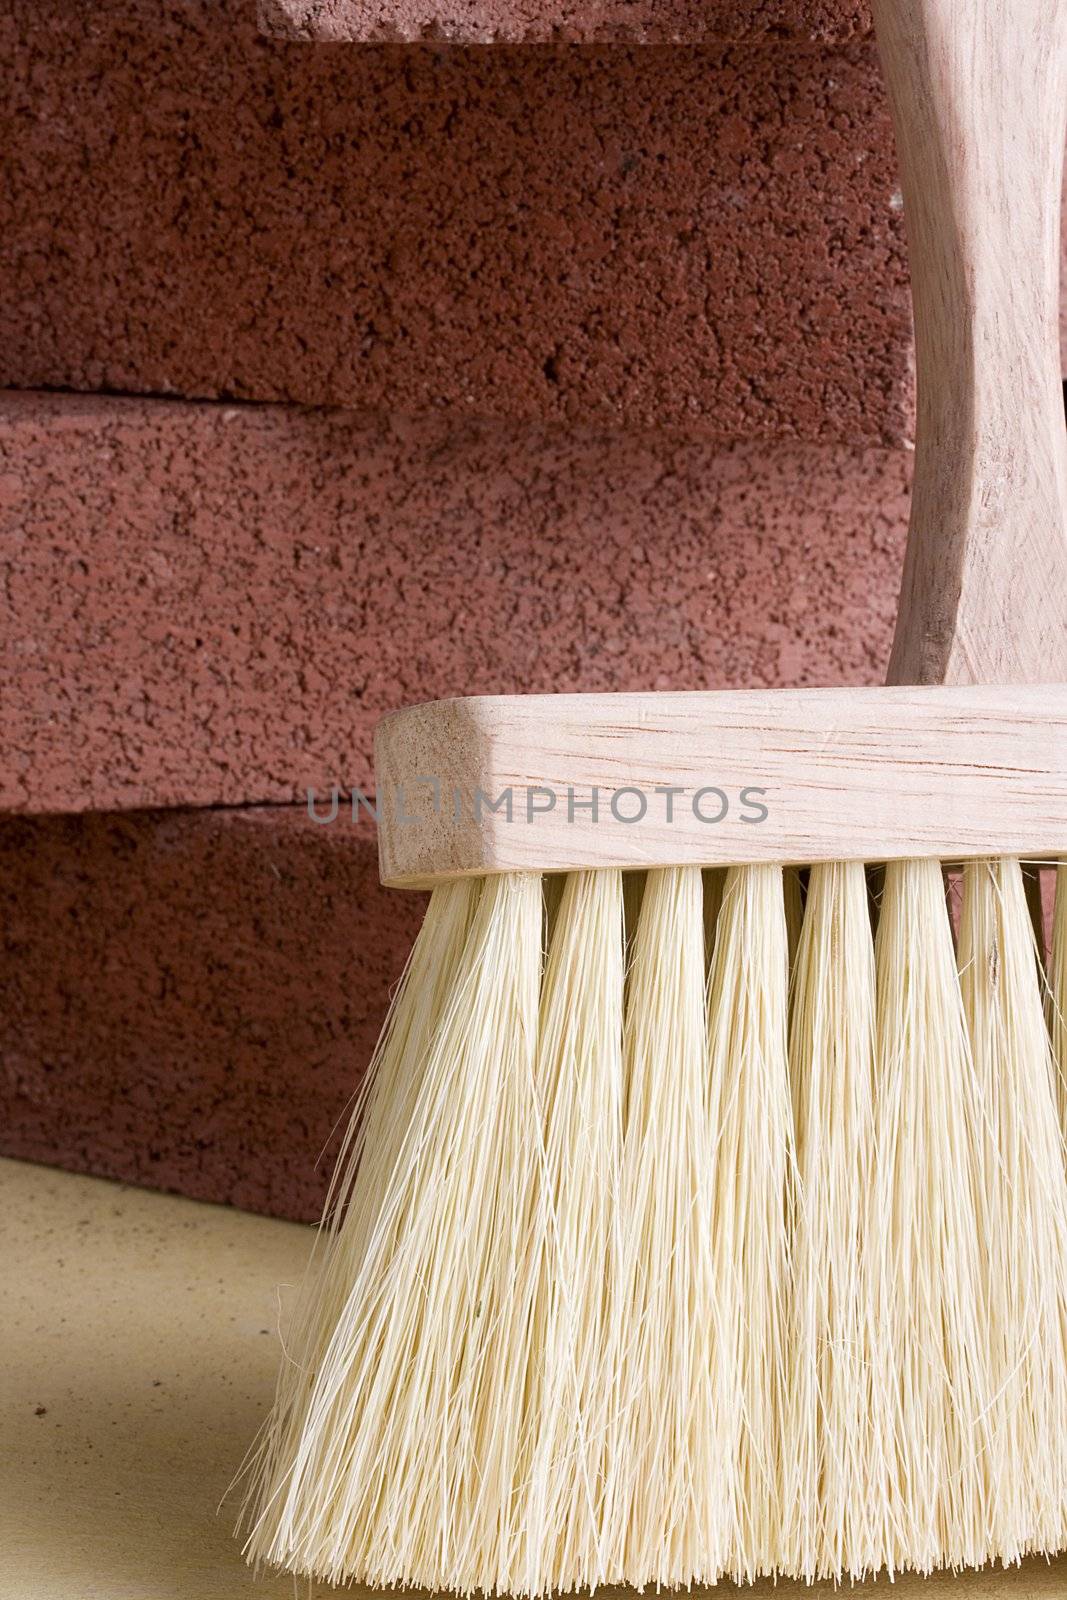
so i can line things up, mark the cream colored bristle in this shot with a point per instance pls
(411, 1434)
(630, 1277)
(376, 1132)
(827, 1447)
(1023, 1201)
(1058, 992)
(931, 1387)
(382, 1113)
(562, 1500)
(748, 1087)
(667, 1473)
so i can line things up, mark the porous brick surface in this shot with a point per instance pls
(581, 21)
(210, 604)
(640, 236)
(188, 1000)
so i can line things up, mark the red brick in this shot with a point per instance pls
(187, 1001)
(213, 604)
(553, 21)
(638, 236)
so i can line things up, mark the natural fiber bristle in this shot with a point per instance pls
(687, 1228)
(827, 1446)
(748, 1083)
(369, 1159)
(1058, 993)
(562, 1490)
(411, 1433)
(1023, 1201)
(665, 1483)
(931, 1384)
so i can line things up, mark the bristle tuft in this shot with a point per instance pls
(377, 1131)
(410, 1432)
(827, 1447)
(931, 1383)
(688, 1228)
(1023, 1200)
(1058, 993)
(748, 1084)
(666, 1500)
(563, 1491)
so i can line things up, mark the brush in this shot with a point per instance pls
(1058, 993)
(705, 1210)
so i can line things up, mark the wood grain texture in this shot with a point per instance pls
(978, 90)
(844, 774)
(139, 1354)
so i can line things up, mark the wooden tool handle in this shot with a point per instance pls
(978, 90)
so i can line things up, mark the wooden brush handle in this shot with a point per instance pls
(978, 90)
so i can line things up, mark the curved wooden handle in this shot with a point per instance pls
(978, 90)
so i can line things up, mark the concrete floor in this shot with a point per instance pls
(138, 1360)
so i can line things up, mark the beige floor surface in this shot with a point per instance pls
(137, 1360)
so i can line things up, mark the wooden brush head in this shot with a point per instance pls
(508, 783)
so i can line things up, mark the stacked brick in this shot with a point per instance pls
(339, 377)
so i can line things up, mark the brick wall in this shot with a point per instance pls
(337, 377)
